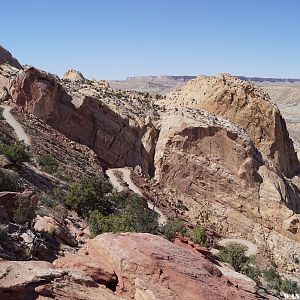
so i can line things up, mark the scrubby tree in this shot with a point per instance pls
(17, 153)
(89, 194)
(172, 227)
(198, 235)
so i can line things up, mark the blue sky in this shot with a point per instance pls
(113, 39)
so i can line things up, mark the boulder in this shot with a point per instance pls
(21, 280)
(53, 228)
(150, 267)
(10, 201)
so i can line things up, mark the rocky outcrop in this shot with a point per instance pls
(73, 75)
(150, 267)
(246, 105)
(6, 57)
(86, 120)
(40, 280)
(25, 202)
(48, 225)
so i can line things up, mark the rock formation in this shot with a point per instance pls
(86, 120)
(150, 267)
(73, 75)
(6, 57)
(246, 105)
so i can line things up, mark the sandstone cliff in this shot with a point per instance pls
(247, 105)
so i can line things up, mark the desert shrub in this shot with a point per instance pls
(18, 153)
(273, 279)
(289, 286)
(172, 227)
(252, 272)
(234, 254)
(130, 214)
(48, 164)
(198, 235)
(8, 181)
(22, 213)
(87, 195)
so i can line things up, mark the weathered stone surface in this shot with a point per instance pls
(6, 57)
(86, 120)
(247, 105)
(53, 228)
(102, 273)
(40, 280)
(9, 201)
(150, 267)
(73, 75)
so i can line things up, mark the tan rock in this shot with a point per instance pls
(39, 280)
(73, 75)
(88, 120)
(53, 228)
(246, 105)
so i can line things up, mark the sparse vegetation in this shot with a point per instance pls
(8, 181)
(276, 284)
(88, 195)
(22, 213)
(130, 214)
(18, 153)
(198, 235)
(172, 227)
(234, 254)
(48, 164)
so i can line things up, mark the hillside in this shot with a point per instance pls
(121, 194)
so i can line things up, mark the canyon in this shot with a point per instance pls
(218, 145)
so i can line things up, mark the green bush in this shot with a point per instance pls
(17, 153)
(8, 181)
(289, 287)
(278, 284)
(198, 235)
(130, 214)
(48, 164)
(89, 194)
(172, 227)
(252, 272)
(234, 254)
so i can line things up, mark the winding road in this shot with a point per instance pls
(132, 186)
(18, 129)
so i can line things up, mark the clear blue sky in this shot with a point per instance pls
(113, 39)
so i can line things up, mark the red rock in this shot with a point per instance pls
(150, 265)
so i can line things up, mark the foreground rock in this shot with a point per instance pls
(40, 280)
(150, 267)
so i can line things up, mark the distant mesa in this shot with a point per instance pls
(6, 57)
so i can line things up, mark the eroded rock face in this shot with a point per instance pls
(20, 280)
(246, 105)
(6, 57)
(86, 120)
(73, 75)
(150, 267)
(10, 201)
